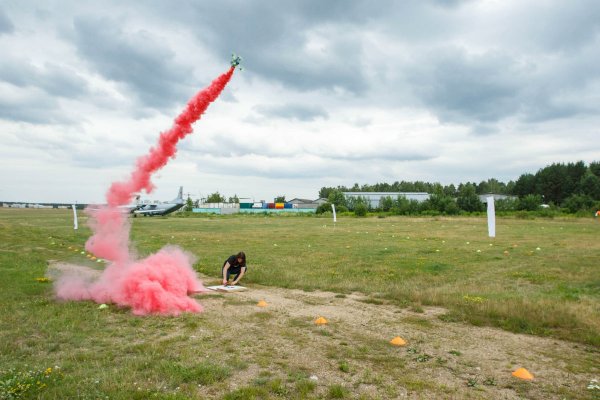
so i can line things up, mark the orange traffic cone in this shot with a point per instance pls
(522, 373)
(398, 341)
(262, 303)
(320, 321)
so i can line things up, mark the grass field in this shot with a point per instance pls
(539, 277)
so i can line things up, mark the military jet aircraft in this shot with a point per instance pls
(162, 208)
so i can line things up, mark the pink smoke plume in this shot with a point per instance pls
(160, 283)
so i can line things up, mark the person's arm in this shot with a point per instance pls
(242, 272)
(225, 268)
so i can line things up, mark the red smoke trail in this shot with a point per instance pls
(161, 282)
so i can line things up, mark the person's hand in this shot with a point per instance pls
(224, 282)
(233, 283)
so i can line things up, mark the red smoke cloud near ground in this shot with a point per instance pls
(160, 283)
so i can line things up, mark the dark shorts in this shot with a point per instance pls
(232, 271)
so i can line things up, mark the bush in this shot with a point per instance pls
(360, 210)
(324, 208)
(577, 203)
(547, 213)
(403, 206)
(531, 202)
(506, 204)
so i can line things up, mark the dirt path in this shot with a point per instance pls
(441, 359)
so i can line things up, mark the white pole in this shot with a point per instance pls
(491, 213)
(74, 217)
(333, 209)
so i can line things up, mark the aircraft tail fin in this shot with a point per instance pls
(179, 197)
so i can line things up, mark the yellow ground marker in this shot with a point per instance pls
(262, 303)
(398, 341)
(522, 373)
(320, 321)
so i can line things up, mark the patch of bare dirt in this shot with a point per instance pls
(441, 359)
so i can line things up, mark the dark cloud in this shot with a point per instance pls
(548, 108)
(561, 27)
(480, 90)
(138, 60)
(33, 109)
(299, 112)
(272, 167)
(304, 45)
(56, 80)
(6, 26)
(225, 146)
(462, 88)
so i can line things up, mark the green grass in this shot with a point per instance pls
(554, 292)
(420, 261)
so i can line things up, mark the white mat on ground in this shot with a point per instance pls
(223, 288)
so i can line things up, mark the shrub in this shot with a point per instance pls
(360, 210)
(324, 208)
(531, 202)
(577, 202)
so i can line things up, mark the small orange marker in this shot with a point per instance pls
(522, 373)
(320, 321)
(398, 341)
(262, 303)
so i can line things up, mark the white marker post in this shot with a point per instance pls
(333, 209)
(74, 217)
(491, 213)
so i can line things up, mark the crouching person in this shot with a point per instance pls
(234, 265)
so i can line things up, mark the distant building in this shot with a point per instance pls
(306, 203)
(375, 197)
(300, 201)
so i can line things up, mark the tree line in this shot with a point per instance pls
(571, 187)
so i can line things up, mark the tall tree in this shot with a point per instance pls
(553, 183)
(215, 198)
(324, 192)
(386, 203)
(595, 168)
(524, 185)
(590, 186)
(468, 200)
(337, 197)
(189, 204)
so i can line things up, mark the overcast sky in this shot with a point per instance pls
(332, 93)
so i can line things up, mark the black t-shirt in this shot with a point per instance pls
(233, 263)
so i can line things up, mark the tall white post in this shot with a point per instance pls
(75, 226)
(491, 214)
(333, 209)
